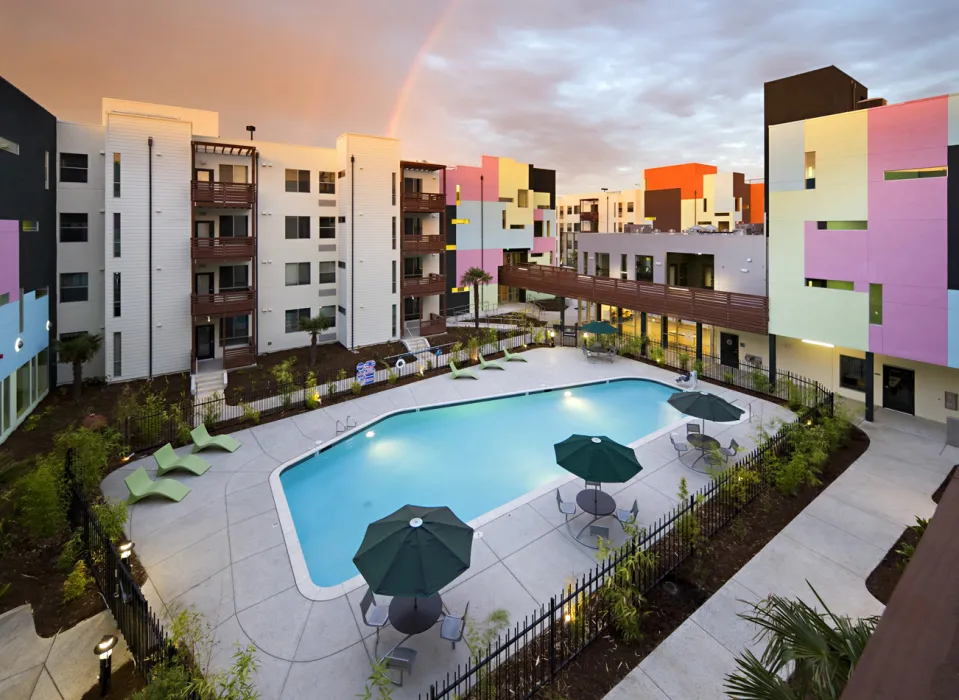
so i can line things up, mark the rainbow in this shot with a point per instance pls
(414, 71)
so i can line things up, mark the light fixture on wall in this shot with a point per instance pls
(49, 325)
(17, 345)
(819, 343)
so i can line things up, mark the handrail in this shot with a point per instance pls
(224, 193)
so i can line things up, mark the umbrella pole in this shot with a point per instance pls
(415, 603)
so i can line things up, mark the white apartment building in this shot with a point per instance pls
(180, 246)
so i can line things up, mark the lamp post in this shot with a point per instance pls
(125, 548)
(104, 651)
(251, 129)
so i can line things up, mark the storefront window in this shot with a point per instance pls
(5, 404)
(23, 389)
(43, 372)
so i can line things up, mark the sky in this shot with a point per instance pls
(596, 89)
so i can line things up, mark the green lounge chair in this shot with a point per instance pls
(140, 485)
(489, 364)
(167, 461)
(510, 357)
(461, 373)
(202, 440)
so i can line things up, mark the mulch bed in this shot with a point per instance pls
(884, 578)
(608, 660)
(124, 682)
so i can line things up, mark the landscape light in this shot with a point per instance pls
(125, 548)
(104, 650)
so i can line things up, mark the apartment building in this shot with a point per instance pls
(672, 198)
(28, 146)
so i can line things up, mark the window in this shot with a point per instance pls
(233, 173)
(328, 272)
(504, 218)
(875, 304)
(704, 204)
(73, 228)
(327, 227)
(562, 210)
(46, 170)
(74, 168)
(73, 286)
(341, 219)
(10, 147)
(458, 202)
(293, 317)
(29, 226)
(394, 277)
(297, 274)
(329, 313)
(810, 167)
(340, 174)
(576, 226)
(602, 264)
(297, 180)
(233, 226)
(830, 284)
(842, 225)
(117, 355)
(585, 263)
(622, 266)
(576, 209)
(644, 268)
(341, 264)
(394, 305)
(116, 234)
(43, 372)
(116, 175)
(234, 278)
(629, 206)
(619, 210)
(5, 385)
(522, 198)
(23, 388)
(341, 309)
(235, 330)
(297, 227)
(394, 231)
(852, 373)
(327, 183)
(116, 295)
(914, 173)
(394, 188)
(4, 298)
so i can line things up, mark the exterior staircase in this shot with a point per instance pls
(417, 344)
(207, 384)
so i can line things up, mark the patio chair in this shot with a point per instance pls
(588, 355)
(510, 357)
(689, 382)
(489, 364)
(730, 451)
(453, 626)
(202, 440)
(680, 447)
(401, 658)
(140, 485)
(594, 485)
(167, 461)
(598, 531)
(374, 615)
(692, 428)
(626, 516)
(461, 373)
(565, 508)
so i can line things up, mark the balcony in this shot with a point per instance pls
(239, 356)
(424, 286)
(434, 325)
(424, 202)
(423, 245)
(239, 195)
(227, 248)
(223, 304)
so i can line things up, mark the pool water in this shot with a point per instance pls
(473, 457)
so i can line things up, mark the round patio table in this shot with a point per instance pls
(703, 443)
(598, 504)
(415, 615)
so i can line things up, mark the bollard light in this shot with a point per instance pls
(125, 548)
(104, 651)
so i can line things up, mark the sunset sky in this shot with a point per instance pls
(597, 89)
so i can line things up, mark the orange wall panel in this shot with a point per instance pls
(687, 177)
(757, 203)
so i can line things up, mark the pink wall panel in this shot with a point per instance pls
(537, 215)
(490, 262)
(908, 252)
(10, 258)
(915, 296)
(908, 199)
(836, 255)
(468, 178)
(909, 126)
(915, 332)
(544, 244)
(879, 163)
(861, 287)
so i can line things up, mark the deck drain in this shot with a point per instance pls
(478, 535)
(670, 588)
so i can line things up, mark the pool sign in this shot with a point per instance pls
(365, 372)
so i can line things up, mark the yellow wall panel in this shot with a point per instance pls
(838, 135)
(513, 177)
(541, 199)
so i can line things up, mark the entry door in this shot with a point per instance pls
(203, 229)
(729, 349)
(204, 341)
(898, 389)
(204, 283)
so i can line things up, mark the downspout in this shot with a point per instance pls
(150, 256)
(352, 249)
(482, 206)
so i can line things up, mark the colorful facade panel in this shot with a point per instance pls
(10, 259)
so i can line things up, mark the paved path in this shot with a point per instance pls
(222, 550)
(834, 543)
(62, 667)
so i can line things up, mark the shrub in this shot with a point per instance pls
(907, 550)
(620, 591)
(330, 388)
(759, 381)
(683, 360)
(212, 409)
(356, 388)
(168, 681)
(378, 682)
(77, 582)
(143, 415)
(113, 518)
(538, 336)
(390, 377)
(688, 526)
(41, 504)
(657, 354)
(729, 377)
(70, 552)
(250, 413)
(312, 400)
(456, 350)
(472, 346)
(92, 452)
(698, 367)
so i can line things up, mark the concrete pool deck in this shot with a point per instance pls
(222, 549)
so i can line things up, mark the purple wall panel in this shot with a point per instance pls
(10, 258)
(836, 255)
(915, 332)
(908, 252)
(491, 261)
(468, 178)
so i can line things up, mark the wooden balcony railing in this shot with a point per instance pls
(224, 194)
(238, 248)
(424, 286)
(743, 312)
(223, 303)
(422, 245)
(434, 325)
(425, 202)
(238, 356)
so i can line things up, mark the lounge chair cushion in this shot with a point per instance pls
(140, 485)
(202, 440)
(167, 460)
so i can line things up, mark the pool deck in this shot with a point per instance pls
(222, 549)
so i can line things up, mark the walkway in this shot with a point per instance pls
(222, 549)
(835, 543)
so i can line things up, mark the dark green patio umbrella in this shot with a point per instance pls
(414, 552)
(598, 328)
(705, 406)
(597, 458)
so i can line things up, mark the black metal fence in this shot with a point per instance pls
(530, 655)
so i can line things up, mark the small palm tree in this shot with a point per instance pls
(77, 351)
(314, 326)
(474, 277)
(823, 647)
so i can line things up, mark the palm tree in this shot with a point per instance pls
(77, 351)
(474, 277)
(314, 326)
(823, 647)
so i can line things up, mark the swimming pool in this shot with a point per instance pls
(473, 457)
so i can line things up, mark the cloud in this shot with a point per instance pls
(597, 89)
